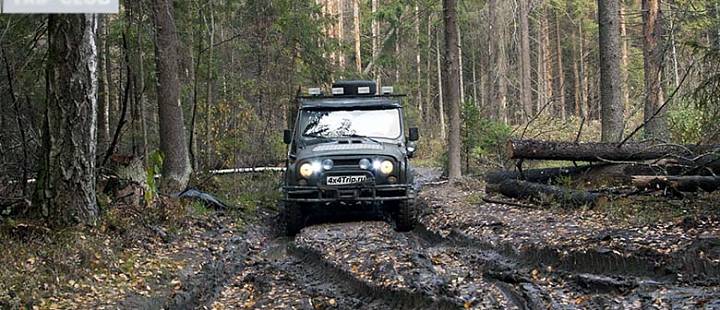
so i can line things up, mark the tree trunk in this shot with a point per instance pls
(113, 105)
(176, 164)
(103, 94)
(418, 62)
(611, 100)
(375, 52)
(209, 91)
(544, 150)
(547, 60)
(140, 89)
(562, 107)
(428, 73)
(540, 62)
(544, 193)
(356, 33)
(499, 59)
(584, 81)
(452, 83)
(656, 127)
(66, 182)
(441, 95)
(340, 6)
(525, 72)
(543, 176)
(625, 56)
(682, 184)
(461, 69)
(577, 86)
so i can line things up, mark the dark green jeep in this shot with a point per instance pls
(347, 152)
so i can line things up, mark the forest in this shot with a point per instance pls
(142, 154)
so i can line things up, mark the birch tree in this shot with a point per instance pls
(66, 182)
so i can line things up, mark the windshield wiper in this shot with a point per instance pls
(364, 137)
(318, 139)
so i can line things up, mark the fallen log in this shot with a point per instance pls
(544, 193)
(546, 175)
(592, 152)
(679, 183)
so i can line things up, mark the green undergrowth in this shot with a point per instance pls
(246, 193)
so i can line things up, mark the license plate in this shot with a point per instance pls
(346, 180)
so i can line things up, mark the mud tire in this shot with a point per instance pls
(406, 216)
(293, 218)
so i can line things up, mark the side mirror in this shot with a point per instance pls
(287, 136)
(414, 134)
(411, 148)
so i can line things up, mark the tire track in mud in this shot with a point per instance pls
(371, 295)
(495, 268)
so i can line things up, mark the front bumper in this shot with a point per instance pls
(357, 193)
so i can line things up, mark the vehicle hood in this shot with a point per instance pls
(336, 148)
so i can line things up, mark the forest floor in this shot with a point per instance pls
(465, 254)
(469, 254)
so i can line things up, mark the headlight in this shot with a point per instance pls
(365, 164)
(327, 164)
(386, 167)
(306, 170)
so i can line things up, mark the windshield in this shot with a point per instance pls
(348, 123)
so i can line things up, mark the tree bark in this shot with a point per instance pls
(418, 62)
(209, 90)
(525, 72)
(562, 107)
(656, 127)
(461, 69)
(103, 94)
(356, 33)
(584, 81)
(682, 184)
(499, 58)
(577, 84)
(611, 100)
(540, 63)
(375, 52)
(111, 96)
(544, 193)
(66, 182)
(452, 83)
(543, 176)
(544, 150)
(441, 94)
(176, 164)
(625, 56)
(340, 6)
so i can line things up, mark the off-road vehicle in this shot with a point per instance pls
(349, 151)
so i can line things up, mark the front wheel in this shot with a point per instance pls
(292, 217)
(405, 217)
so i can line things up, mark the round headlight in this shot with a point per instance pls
(386, 167)
(365, 164)
(306, 170)
(327, 164)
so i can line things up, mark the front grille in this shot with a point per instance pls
(347, 162)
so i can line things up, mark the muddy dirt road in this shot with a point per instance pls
(479, 256)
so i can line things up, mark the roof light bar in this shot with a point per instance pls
(387, 90)
(338, 91)
(314, 92)
(363, 90)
